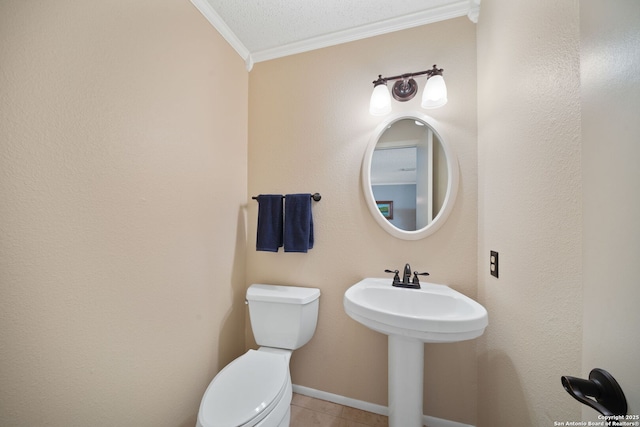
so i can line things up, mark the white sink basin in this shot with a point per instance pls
(434, 313)
(412, 317)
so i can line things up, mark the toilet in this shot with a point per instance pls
(255, 389)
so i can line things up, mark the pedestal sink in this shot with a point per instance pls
(411, 317)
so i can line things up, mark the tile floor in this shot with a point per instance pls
(310, 412)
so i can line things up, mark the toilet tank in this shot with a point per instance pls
(283, 316)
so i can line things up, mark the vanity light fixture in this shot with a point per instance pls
(405, 88)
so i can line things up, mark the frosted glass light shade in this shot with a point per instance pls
(380, 103)
(435, 93)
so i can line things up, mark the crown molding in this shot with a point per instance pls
(474, 10)
(470, 8)
(218, 23)
(452, 10)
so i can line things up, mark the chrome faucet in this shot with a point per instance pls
(406, 282)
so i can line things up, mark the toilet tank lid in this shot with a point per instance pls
(282, 294)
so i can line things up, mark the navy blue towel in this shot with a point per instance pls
(298, 223)
(270, 222)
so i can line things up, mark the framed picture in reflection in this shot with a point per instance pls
(386, 208)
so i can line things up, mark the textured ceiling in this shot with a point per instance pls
(265, 29)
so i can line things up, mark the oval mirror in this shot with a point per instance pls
(409, 176)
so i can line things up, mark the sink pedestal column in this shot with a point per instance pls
(406, 374)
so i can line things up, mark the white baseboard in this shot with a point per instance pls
(370, 407)
(341, 400)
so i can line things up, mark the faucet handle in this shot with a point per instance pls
(396, 277)
(415, 277)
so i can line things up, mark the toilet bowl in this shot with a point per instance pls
(255, 389)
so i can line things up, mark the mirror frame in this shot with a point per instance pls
(453, 177)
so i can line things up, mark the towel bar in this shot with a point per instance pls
(315, 196)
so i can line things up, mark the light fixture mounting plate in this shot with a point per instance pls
(404, 90)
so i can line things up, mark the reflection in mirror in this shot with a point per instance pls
(409, 176)
(409, 169)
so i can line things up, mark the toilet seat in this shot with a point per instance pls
(245, 391)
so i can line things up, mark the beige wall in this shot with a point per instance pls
(123, 165)
(610, 61)
(123, 147)
(309, 127)
(530, 210)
